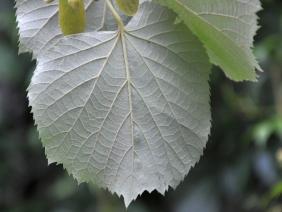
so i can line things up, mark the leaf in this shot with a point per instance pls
(129, 7)
(226, 28)
(39, 28)
(72, 17)
(126, 110)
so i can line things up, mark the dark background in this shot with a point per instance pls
(239, 172)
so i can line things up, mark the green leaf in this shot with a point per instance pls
(39, 28)
(226, 28)
(129, 7)
(127, 110)
(72, 17)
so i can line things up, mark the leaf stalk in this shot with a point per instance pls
(116, 15)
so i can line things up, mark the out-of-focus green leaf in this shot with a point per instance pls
(265, 129)
(275, 192)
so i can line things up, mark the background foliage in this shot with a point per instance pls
(240, 171)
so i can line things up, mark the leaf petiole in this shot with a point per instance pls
(116, 15)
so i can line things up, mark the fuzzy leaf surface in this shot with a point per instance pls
(127, 110)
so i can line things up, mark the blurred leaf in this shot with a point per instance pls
(276, 190)
(263, 130)
(274, 193)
